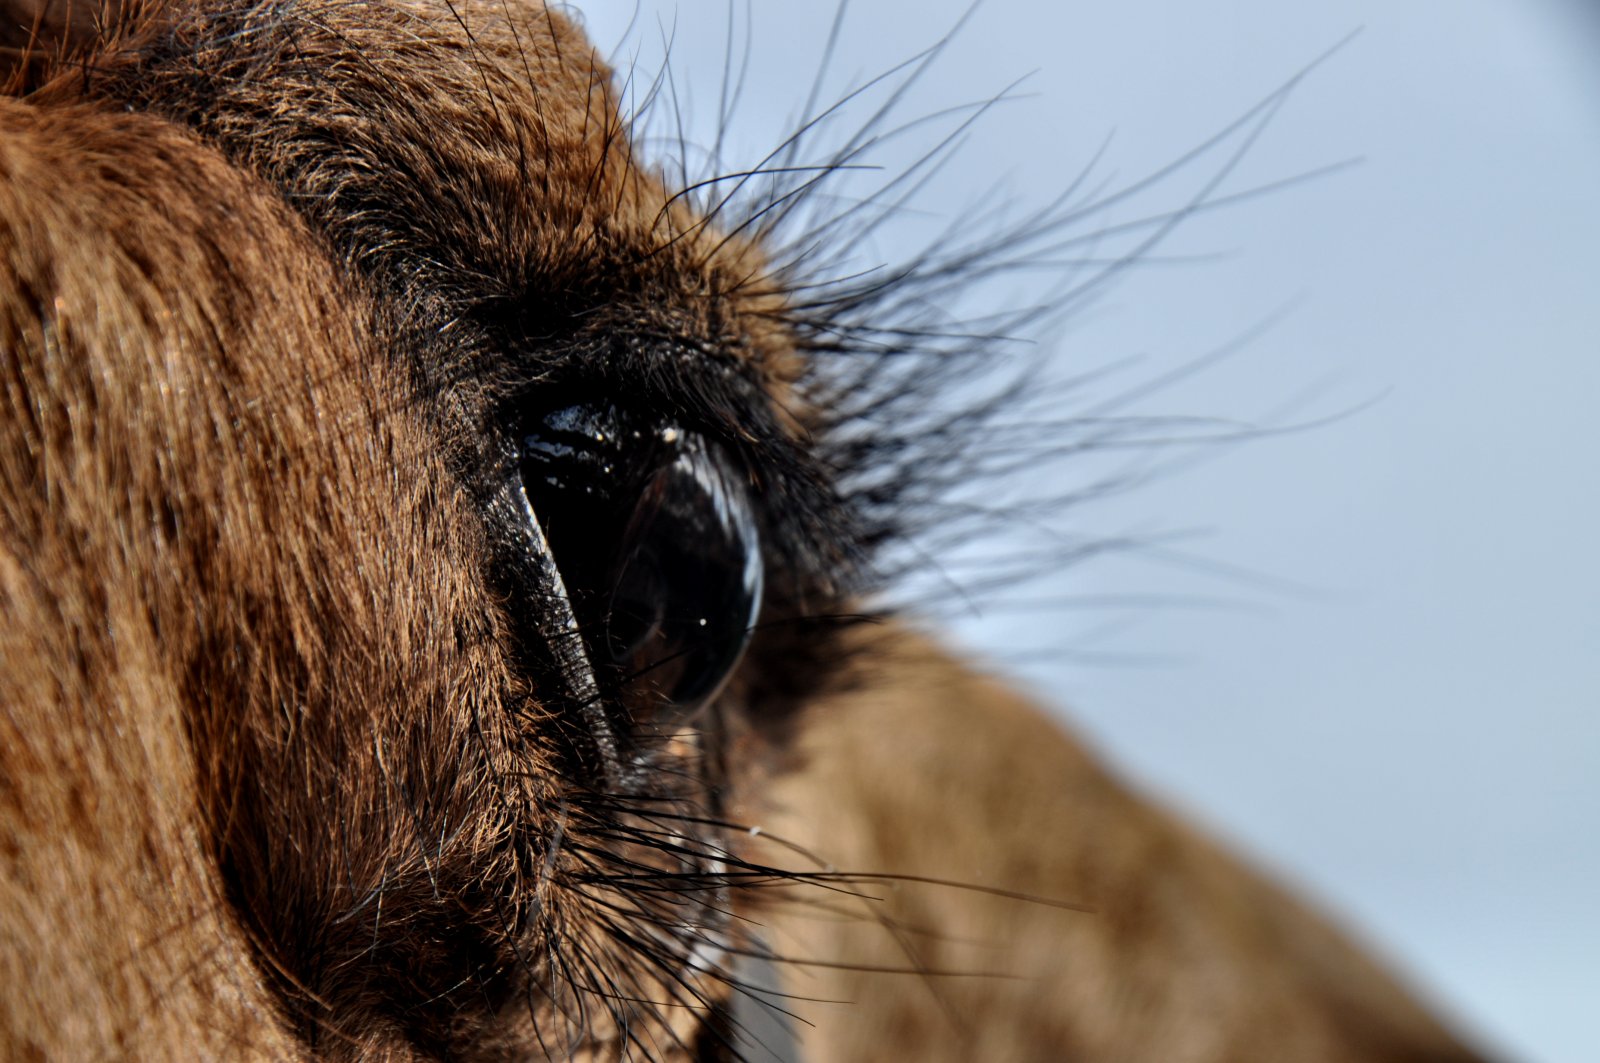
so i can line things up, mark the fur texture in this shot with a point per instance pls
(285, 770)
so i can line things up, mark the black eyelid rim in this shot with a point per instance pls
(546, 609)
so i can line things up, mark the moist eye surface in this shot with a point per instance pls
(652, 529)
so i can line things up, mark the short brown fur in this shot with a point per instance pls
(275, 780)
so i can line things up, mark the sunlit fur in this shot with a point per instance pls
(280, 775)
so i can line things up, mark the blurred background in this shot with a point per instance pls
(1357, 631)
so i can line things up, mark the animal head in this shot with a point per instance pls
(425, 533)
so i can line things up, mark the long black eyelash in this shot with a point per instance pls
(912, 399)
(907, 404)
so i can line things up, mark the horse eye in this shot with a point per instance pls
(652, 531)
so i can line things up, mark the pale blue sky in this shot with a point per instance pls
(1394, 699)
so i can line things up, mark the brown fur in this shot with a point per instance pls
(275, 781)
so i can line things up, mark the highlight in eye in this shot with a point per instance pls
(652, 529)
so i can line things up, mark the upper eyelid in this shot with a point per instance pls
(794, 495)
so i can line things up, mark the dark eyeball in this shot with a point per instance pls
(652, 530)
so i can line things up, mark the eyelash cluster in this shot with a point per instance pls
(928, 403)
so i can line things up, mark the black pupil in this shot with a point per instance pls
(652, 531)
